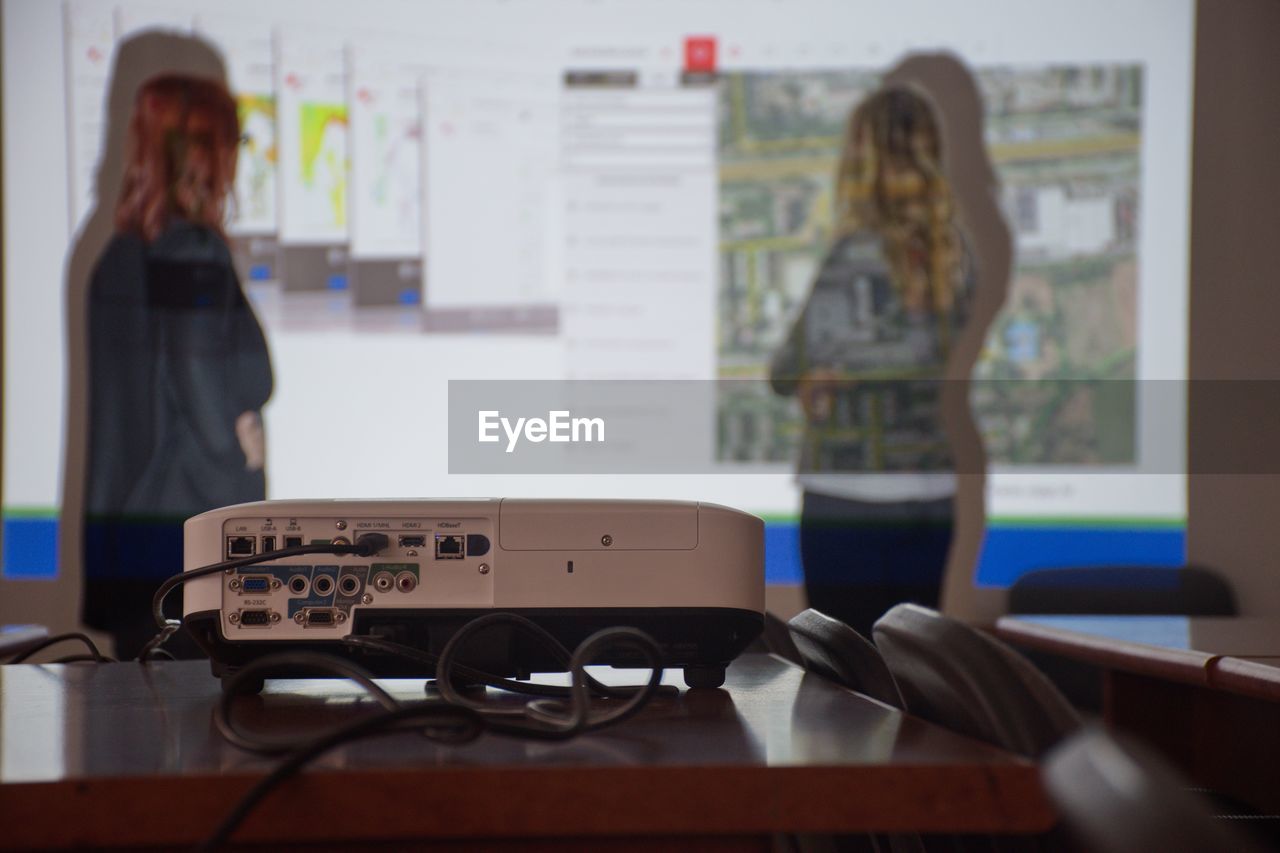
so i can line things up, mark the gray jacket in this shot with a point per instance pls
(884, 412)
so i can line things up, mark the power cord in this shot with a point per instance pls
(454, 719)
(366, 545)
(551, 719)
(46, 642)
(437, 721)
(558, 712)
(560, 654)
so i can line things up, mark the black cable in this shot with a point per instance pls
(561, 655)
(388, 647)
(563, 658)
(54, 640)
(152, 648)
(288, 662)
(443, 723)
(555, 720)
(366, 545)
(452, 721)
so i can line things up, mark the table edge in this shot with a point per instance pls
(612, 801)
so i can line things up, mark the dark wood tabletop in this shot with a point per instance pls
(120, 754)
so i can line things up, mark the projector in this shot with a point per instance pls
(691, 575)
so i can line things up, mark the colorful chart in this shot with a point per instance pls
(323, 163)
(256, 169)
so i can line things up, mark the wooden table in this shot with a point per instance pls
(1206, 691)
(118, 754)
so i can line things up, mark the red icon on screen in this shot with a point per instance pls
(700, 53)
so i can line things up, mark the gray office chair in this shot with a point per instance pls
(833, 650)
(958, 677)
(1123, 590)
(1115, 796)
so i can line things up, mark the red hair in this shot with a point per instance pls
(183, 140)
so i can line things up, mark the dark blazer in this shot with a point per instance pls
(176, 354)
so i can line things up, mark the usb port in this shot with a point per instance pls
(241, 546)
(450, 547)
(268, 544)
(419, 541)
(293, 541)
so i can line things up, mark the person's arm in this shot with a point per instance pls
(198, 327)
(254, 379)
(793, 370)
(789, 362)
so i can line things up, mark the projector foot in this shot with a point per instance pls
(704, 677)
(248, 688)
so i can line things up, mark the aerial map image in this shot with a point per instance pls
(1054, 383)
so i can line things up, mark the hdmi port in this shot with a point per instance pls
(413, 541)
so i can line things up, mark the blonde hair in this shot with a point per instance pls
(890, 181)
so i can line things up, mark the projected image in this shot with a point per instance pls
(434, 192)
(1065, 143)
(89, 42)
(393, 188)
(256, 167)
(322, 161)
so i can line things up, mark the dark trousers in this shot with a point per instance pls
(123, 610)
(863, 557)
(125, 561)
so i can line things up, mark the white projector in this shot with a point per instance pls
(691, 575)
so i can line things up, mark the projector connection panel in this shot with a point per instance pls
(690, 574)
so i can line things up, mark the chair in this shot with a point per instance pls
(1113, 590)
(1123, 590)
(833, 650)
(1116, 796)
(958, 677)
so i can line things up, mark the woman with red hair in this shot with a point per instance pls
(178, 369)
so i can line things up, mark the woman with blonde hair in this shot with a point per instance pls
(866, 356)
(178, 365)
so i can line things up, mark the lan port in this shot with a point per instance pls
(240, 546)
(450, 547)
